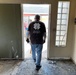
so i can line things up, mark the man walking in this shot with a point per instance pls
(37, 36)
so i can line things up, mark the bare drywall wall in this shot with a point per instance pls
(60, 52)
(10, 31)
(74, 30)
(74, 50)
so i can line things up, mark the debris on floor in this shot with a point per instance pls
(27, 67)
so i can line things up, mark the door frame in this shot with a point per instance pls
(48, 39)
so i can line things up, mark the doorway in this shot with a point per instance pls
(28, 12)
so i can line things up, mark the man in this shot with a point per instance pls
(37, 35)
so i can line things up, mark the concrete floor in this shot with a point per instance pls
(27, 67)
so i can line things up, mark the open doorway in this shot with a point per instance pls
(29, 11)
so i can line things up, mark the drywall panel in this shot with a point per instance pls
(74, 50)
(74, 32)
(60, 52)
(10, 31)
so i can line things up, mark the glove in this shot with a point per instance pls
(43, 41)
(27, 40)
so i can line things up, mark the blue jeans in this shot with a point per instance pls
(37, 52)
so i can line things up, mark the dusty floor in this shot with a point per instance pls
(27, 67)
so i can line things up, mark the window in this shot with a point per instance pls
(62, 23)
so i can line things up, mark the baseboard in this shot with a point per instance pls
(11, 59)
(59, 58)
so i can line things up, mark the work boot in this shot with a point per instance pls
(37, 67)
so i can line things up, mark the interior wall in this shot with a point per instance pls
(23, 1)
(61, 52)
(74, 50)
(10, 31)
(74, 30)
(31, 1)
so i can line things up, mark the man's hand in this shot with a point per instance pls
(27, 40)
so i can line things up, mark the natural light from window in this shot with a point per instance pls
(62, 23)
